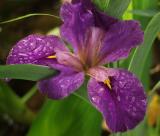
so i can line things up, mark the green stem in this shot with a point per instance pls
(157, 86)
(150, 95)
(27, 16)
(12, 105)
(28, 95)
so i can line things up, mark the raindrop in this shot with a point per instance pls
(133, 99)
(133, 114)
(62, 86)
(127, 97)
(101, 90)
(96, 99)
(118, 98)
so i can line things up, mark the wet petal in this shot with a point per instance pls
(101, 19)
(62, 85)
(34, 49)
(76, 21)
(86, 3)
(124, 105)
(78, 17)
(120, 39)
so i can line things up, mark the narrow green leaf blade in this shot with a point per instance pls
(27, 16)
(144, 13)
(139, 58)
(116, 8)
(26, 72)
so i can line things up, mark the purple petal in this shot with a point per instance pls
(69, 59)
(78, 17)
(119, 40)
(101, 19)
(86, 3)
(34, 49)
(76, 21)
(123, 106)
(62, 85)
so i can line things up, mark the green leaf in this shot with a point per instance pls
(68, 117)
(27, 16)
(26, 72)
(127, 15)
(102, 4)
(116, 8)
(139, 59)
(12, 105)
(144, 5)
(145, 13)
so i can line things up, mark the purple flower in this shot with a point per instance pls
(96, 39)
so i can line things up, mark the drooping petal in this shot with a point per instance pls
(76, 21)
(34, 49)
(63, 84)
(124, 105)
(120, 39)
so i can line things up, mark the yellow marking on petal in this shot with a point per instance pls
(108, 83)
(52, 57)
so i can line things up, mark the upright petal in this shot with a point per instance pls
(78, 16)
(101, 19)
(120, 38)
(76, 21)
(123, 104)
(63, 84)
(34, 49)
(86, 3)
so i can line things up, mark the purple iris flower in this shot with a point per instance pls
(96, 39)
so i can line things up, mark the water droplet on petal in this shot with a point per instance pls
(133, 114)
(96, 99)
(118, 98)
(133, 99)
(127, 97)
(62, 86)
(134, 109)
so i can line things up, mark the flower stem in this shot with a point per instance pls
(157, 86)
(27, 16)
(28, 95)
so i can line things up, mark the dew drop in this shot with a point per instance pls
(118, 98)
(133, 99)
(133, 114)
(134, 109)
(62, 86)
(127, 97)
(96, 99)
